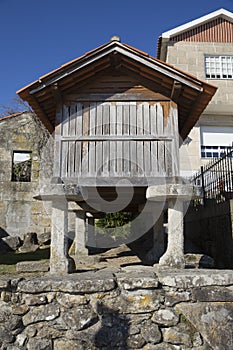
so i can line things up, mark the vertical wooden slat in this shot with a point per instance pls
(119, 143)
(126, 150)
(78, 158)
(175, 142)
(146, 149)
(161, 163)
(71, 158)
(99, 145)
(113, 144)
(168, 145)
(85, 145)
(92, 148)
(139, 146)
(106, 129)
(79, 119)
(64, 158)
(133, 144)
(72, 120)
(65, 120)
(154, 144)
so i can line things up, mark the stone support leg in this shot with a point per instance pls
(80, 234)
(60, 262)
(174, 255)
(91, 231)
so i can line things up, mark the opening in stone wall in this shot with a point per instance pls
(21, 166)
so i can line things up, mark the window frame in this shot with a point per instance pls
(218, 66)
(20, 177)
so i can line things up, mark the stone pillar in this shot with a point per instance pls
(80, 234)
(91, 230)
(174, 255)
(158, 237)
(60, 262)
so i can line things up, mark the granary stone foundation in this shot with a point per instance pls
(128, 308)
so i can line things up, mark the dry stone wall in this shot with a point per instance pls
(131, 308)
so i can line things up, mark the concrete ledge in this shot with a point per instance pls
(170, 191)
(196, 278)
(71, 192)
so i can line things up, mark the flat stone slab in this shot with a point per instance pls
(86, 282)
(32, 266)
(195, 278)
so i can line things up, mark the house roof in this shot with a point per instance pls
(221, 13)
(191, 95)
(13, 115)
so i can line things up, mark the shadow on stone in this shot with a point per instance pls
(114, 330)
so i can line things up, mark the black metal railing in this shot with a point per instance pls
(216, 178)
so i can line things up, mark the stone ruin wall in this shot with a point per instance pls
(134, 308)
(19, 212)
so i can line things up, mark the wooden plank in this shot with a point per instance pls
(168, 145)
(146, 118)
(71, 159)
(154, 144)
(79, 119)
(120, 138)
(99, 158)
(161, 162)
(132, 132)
(92, 126)
(64, 158)
(72, 119)
(113, 146)
(65, 121)
(139, 146)
(119, 108)
(175, 143)
(106, 118)
(85, 144)
(146, 95)
(126, 151)
(78, 158)
(99, 121)
(146, 131)
(92, 131)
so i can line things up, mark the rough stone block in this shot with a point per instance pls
(134, 280)
(212, 320)
(47, 312)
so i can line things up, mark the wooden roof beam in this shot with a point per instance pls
(176, 91)
(43, 116)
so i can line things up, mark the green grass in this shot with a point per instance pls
(9, 260)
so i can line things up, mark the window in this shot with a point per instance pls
(216, 141)
(21, 166)
(219, 67)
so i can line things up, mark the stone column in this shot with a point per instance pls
(60, 262)
(174, 255)
(158, 237)
(91, 230)
(80, 234)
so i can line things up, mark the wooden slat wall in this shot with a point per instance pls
(218, 30)
(115, 139)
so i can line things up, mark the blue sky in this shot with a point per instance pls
(37, 36)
